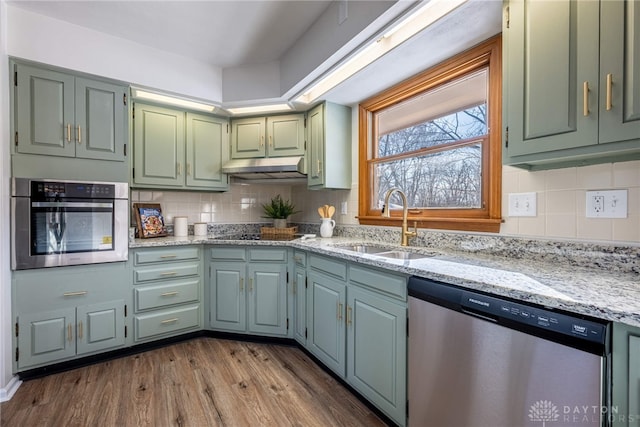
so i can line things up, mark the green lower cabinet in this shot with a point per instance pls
(248, 296)
(326, 312)
(63, 334)
(377, 350)
(626, 376)
(300, 304)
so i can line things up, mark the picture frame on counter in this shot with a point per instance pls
(150, 220)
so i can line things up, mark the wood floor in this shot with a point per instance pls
(201, 382)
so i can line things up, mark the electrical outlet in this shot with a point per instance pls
(606, 204)
(343, 208)
(522, 204)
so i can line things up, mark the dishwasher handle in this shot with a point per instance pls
(481, 316)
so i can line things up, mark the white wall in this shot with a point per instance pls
(51, 41)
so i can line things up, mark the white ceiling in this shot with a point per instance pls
(238, 33)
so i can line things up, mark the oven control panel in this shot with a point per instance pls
(48, 189)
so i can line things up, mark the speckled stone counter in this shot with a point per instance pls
(586, 279)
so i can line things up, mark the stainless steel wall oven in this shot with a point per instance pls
(57, 223)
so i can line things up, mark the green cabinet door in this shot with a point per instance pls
(158, 146)
(227, 296)
(285, 135)
(46, 337)
(552, 75)
(377, 350)
(44, 112)
(100, 117)
(315, 148)
(326, 312)
(626, 376)
(300, 305)
(248, 138)
(267, 299)
(207, 149)
(100, 326)
(619, 71)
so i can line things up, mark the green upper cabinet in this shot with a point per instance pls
(58, 114)
(275, 136)
(571, 88)
(207, 151)
(329, 147)
(174, 149)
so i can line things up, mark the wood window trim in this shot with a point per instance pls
(486, 219)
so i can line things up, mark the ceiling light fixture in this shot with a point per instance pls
(259, 109)
(406, 28)
(165, 99)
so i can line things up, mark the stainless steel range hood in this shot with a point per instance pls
(268, 168)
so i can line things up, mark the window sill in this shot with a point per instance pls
(488, 225)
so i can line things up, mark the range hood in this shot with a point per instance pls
(267, 168)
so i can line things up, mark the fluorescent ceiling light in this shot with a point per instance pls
(415, 22)
(165, 99)
(260, 109)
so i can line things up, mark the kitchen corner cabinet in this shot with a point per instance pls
(274, 136)
(626, 376)
(167, 291)
(66, 312)
(248, 290)
(300, 296)
(572, 96)
(178, 150)
(329, 147)
(59, 114)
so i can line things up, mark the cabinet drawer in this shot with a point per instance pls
(273, 255)
(156, 296)
(300, 258)
(168, 254)
(227, 253)
(166, 322)
(380, 281)
(329, 266)
(165, 271)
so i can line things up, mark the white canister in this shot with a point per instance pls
(326, 228)
(180, 226)
(200, 229)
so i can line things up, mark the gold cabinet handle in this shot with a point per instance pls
(241, 284)
(169, 294)
(250, 284)
(189, 169)
(270, 141)
(179, 168)
(168, 256)
(75, 294)
(262, 141)
(339, 311)
(319, 167)
(69, 333)
(609, 88)
(167, 321)
(68, 132)
(168, 273)
(79, 135)
(348, 315)
(585, 98)
(80, 330)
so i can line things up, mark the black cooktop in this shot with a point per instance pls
(257, 236)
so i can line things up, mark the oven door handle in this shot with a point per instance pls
(72, 205)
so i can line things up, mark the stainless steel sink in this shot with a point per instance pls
(404, 255)
(363, 249)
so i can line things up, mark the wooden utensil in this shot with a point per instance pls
(330, 211)
(326, 211)
(321, 211)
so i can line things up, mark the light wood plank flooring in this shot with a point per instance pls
(201, 382)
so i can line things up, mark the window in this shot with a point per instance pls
(431, 136)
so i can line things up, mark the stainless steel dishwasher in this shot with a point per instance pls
(482, 361)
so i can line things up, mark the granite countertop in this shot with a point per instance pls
(605, 293)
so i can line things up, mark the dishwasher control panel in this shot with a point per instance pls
(532, 316)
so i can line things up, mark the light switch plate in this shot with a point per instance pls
(343, 208)
(522, 204)
(606, 204)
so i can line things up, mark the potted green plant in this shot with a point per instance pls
(279, 210)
